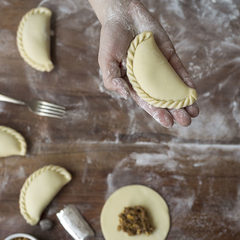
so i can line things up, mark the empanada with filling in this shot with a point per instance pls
(33, 38)
(153, 78)
(11, 142)
(39, 189)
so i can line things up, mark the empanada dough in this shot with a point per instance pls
(153, 78)
(130, 196)
(39, 190)
(11, 142)
(33, 38)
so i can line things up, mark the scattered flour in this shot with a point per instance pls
(5, 179)
(234, 214)
(236, 112)
(20, 173)
(146, 159)
(175, 7)
(211, 42)
(2, 107)
(7, 44)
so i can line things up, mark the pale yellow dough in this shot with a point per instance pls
(130, 196)
(153, 78)
(39, 190)
(33, 38)
(11, 142)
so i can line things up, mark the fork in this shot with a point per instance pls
(38, 107)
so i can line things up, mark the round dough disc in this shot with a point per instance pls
(130, 196)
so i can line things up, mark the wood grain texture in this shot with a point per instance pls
(107, 142)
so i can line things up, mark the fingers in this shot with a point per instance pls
(181, 116)
(162, 116)
(192, 110)
(166, 117)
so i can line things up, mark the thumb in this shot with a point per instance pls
(111, 54)
(111, 74)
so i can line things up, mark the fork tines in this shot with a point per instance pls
(50, 110)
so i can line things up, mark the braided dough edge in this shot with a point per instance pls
(27, 183)
(18, 137)
(140, 92)
(47, 67)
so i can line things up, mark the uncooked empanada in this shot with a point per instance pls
(39, 189)
(33, 38)
(153, 78)
(11, 142)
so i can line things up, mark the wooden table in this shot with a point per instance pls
(107, 142)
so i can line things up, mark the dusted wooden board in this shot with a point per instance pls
(107, 142)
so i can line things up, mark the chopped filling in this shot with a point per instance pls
(20, 238)
(135, 221)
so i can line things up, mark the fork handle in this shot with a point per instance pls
(11, 100)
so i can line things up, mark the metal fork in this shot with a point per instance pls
(38, 107)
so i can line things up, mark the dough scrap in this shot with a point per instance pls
(39, 189)
(33, 39)
(11, 142)
(153, 78)
(134, 195)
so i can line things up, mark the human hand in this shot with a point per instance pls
(121, 21)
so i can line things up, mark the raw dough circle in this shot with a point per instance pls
(131, 196)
